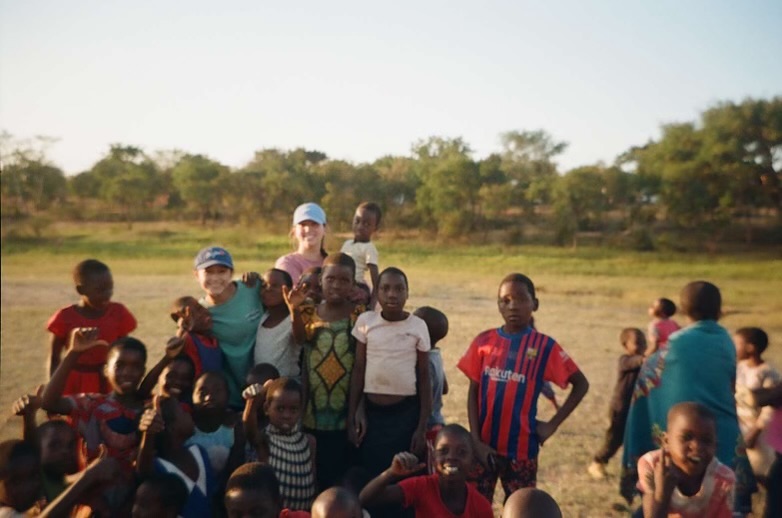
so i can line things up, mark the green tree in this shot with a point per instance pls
(198, 180)
(692, 190)
(128, 180)
(744, 143)
(528, 162)
(395, 192)
(29, 181)
(447, 197)
(579, 200)
(287, 179)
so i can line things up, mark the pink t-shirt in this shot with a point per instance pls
(715, 498)
(423, 495)
(661, 329)
(295, 264)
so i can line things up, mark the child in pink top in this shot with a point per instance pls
(661, 326)
(95, 286)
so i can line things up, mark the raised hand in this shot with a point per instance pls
(28, 403)
(174, 346)
(405, 464)
(294, 297)
(666, 477)
(250, 279)
(255, 390)
(152, 419)
(84, 338)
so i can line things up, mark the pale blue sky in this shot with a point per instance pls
(359, 80)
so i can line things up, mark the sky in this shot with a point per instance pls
(360, 80)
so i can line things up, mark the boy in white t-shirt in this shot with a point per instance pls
(392, 373)
(363, 251)
(753, 373)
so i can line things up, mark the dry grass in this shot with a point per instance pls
(584, 311)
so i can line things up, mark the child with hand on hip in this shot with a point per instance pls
(519, 359)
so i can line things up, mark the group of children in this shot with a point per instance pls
(309, 390)
(685, 477)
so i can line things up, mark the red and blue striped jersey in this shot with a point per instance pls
(510, 371)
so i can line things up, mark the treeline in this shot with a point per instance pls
(713, 180)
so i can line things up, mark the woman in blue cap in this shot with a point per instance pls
(236, 310)
(309, 230)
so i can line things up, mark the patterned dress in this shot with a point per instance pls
(291, 458)
(329, 355)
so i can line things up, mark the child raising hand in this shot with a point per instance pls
(684, 478)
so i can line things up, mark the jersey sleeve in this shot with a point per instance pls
(470, 364)
(559, 366)
(371, 254)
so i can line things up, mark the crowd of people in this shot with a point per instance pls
(310, 390)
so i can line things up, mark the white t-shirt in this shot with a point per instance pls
(363, 254)
(392, 352)
(276, 345)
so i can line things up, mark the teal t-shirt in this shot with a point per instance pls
(235, 324)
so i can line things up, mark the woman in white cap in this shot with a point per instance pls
(309, 229)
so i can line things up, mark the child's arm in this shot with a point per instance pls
(424, 387)
(445, 384)
(81, 339)
(546, 429)
(768, 396)
(236, 454)
(484, 452)
(57, 344)
(150, 425)
(174, 347)
(294, 298)
(373, 275)
(357, 428)
(26, 407)
(253, 396)
(99, 470)
(657, 503)
(382, 490)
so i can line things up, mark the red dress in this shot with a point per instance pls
(87, 375)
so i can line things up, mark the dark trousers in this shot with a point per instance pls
(774, 490)
(390, 430)
(613, 438)
(334, 454)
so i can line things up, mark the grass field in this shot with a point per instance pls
(586, 297)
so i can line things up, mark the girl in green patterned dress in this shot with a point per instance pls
(329, 353)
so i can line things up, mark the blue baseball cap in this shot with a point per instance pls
(309, 212)
(211, 256)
